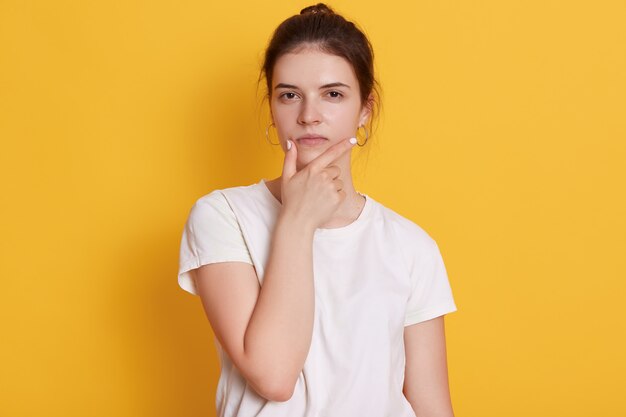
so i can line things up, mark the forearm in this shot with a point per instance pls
(279, 333)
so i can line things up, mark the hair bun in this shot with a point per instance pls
(318, 8)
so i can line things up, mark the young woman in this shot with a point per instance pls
(324, 302)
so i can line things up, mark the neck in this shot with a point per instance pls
(348, 211)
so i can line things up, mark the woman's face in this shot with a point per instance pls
(315, 102)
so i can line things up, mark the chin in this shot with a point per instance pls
(303, 160)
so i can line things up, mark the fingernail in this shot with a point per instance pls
(288, 145)
(353, 141)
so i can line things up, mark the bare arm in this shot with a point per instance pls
(426, 375)
(267, 331)
(279, 334)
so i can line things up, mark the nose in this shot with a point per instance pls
(309, 113)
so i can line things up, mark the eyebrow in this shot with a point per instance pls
(331, 85)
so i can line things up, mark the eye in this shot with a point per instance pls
(289, 95)
(335, 94)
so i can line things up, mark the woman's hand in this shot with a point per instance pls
(315, 192)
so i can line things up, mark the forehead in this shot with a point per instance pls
(311, 67)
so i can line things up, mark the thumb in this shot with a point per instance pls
(289, 164)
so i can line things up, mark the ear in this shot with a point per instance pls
(366, 111)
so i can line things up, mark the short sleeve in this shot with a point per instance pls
(431, 295)
(211, 234)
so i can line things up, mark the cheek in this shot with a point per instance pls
(284, 121)
(346, 119)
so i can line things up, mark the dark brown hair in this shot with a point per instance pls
(320, 27)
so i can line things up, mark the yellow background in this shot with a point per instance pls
(503, 134)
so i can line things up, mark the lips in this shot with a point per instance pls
(311, 140)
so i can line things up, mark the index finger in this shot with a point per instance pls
(332, 153)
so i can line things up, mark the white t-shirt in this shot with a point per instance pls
(372, 278)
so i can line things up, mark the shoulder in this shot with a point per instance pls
(217, 201)
(214, 202)
(407, 231)
(213, 207)
(214, 198)
(414, 243)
